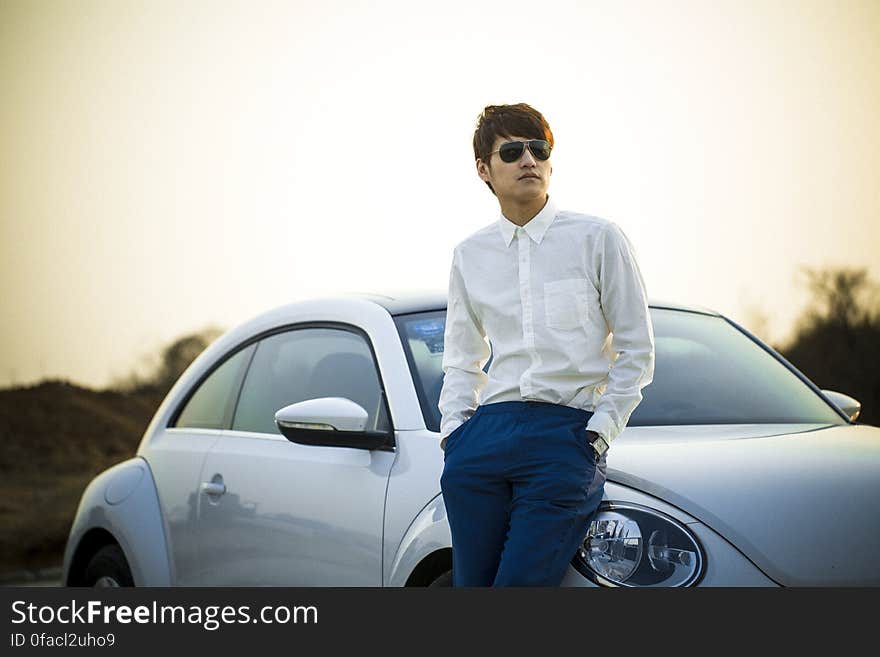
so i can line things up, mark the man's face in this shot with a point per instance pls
(520, 181)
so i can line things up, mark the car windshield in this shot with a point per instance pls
(707, 371)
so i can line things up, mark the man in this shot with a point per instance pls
(525, 445)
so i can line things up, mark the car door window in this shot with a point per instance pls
(307, 364)
(212, 404)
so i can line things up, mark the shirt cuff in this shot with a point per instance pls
(448, 433)
(602, 423)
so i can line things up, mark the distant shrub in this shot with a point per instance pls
(169, 365)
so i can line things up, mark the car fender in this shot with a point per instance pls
(428, 532)
(123, 501)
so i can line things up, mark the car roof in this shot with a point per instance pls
(403, 302)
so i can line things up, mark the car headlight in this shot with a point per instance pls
(632, 545)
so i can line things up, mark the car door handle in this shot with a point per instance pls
(213, 488)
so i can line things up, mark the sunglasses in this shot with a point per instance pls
(511, 151)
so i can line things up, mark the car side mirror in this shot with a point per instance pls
(851, 407)
(330, 422)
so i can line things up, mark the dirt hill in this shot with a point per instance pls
(54, 438)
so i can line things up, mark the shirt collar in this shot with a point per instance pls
(535, 227)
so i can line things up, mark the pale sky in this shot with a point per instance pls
(172, 165)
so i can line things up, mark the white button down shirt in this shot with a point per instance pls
(561, 305)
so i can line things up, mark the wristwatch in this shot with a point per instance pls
(598, 442)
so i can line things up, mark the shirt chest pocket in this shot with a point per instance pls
(566, 303)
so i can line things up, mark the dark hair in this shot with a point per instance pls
(519, 120)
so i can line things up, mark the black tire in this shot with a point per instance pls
(108, 568)
(443, 580)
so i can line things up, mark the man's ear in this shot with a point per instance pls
(482, 170)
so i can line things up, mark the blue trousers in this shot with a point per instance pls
(521, 485)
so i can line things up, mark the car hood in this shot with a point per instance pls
(799, 500)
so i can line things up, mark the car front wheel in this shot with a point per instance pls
(443, 580)
(108, 569)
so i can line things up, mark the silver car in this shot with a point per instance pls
(302, 449)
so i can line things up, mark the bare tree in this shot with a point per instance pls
(841, 297)
(836, 341)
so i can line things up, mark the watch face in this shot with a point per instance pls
(597, 441)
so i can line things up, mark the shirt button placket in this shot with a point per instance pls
(525, 292)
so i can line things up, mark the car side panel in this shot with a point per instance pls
(292, 514)
(177, 458)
